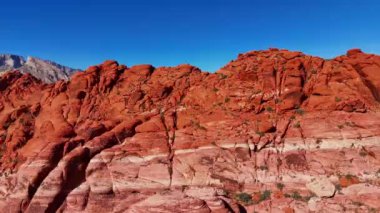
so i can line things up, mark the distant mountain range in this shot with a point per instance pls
(45, 70)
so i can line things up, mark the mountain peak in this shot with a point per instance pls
(45, 70)
(9, 61)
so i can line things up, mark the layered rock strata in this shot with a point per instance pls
(272, 131)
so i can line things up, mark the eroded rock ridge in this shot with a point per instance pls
(272, 131)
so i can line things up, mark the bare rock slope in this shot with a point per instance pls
(272, 131)
(45, 70)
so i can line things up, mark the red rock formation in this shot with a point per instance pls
(267, 132)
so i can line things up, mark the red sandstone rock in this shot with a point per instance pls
(171, 139)
(348, 180)
(353, 52)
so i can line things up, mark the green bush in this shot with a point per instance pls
(269, 109)
(295, 195)
(280, 186)
(265, 195)
(244, 198)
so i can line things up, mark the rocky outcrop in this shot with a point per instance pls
(272, 131)
(44, 70)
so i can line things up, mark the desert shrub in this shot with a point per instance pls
(222, 76)
(300, 111)
(265, 195)
(260, 133)
(297, 125)
(244, 198)
(280, 186)
(294, 195)
(350, 176)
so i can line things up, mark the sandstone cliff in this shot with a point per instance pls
(272, 131)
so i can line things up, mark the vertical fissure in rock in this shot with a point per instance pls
(172, 145)
(170, 141)
(249, 148)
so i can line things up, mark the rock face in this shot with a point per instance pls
(264, 134)
(45, 70)
(322, 187)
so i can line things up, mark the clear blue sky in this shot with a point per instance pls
(205, 33)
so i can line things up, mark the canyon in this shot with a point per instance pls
(271, 131)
